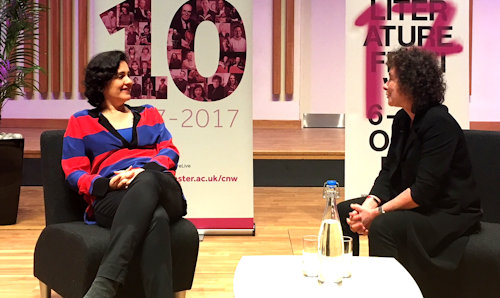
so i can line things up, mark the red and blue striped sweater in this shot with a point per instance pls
(93, 150)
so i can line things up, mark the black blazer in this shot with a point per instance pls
(430, 157)
(178, 24)
(215, 93)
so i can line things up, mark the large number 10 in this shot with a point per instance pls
(135, 18)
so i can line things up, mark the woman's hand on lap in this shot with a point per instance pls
(123, 178)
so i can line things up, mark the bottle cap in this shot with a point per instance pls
(331, 182)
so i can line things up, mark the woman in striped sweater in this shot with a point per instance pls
(122, 160)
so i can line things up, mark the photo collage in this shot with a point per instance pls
(135, 17)
(181, 56)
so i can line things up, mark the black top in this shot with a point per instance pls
(431, 158)
(215, 93)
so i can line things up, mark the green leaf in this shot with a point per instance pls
(19, 21)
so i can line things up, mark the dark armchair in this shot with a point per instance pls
(479, 271)
(478, 274)
(68, 251)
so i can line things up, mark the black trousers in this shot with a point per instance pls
(390, 233)
(417, 241)
(139, 218)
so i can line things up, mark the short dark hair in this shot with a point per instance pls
(100, 70)
(419, 75)
(217, 77)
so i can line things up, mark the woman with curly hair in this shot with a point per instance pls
(122, 160)
(423, 203)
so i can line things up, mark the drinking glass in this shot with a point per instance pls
(310, 260)
(347, 256)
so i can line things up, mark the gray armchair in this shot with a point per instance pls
(68, 251)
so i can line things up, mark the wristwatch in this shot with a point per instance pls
(380, 210)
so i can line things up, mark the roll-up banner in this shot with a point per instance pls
(192, 60)
(373, 28)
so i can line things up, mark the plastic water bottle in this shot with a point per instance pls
(330, 239)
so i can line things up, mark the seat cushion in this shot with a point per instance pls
(480, 266)
(67, 256)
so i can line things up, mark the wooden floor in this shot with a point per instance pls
(272, 139)
(282, 215)
(287, 140)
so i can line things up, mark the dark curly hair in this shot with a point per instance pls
(202, 90)
(419, 75)
(100, 70)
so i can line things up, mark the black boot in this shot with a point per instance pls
(102, 288)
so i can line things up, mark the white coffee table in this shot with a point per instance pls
(281, 276)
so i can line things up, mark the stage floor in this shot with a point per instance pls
(276, 140)
(271, 139)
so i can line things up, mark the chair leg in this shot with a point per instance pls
(180, 294)
(44, 290)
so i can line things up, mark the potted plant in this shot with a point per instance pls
(19, 20)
